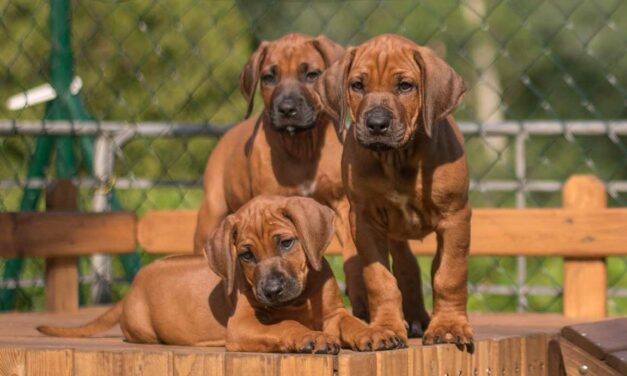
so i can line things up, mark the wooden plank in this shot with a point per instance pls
(8, 243)
(498, 232)
(198, 364)
(356, 364)
(12, 361)
(244, 363)
(599, 338)
(585, 279)
(535, 352)
(41, 362)
(97, 363)
(147, 363)
(618, 361)
(167, 231)
(46, 234)
(575, 358)
(61, 293)
(555, 365)
(395, 362)
(306, 365)
(509, 359)
(480, 362)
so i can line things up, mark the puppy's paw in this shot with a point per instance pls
(416, 328)
(376, 339)
(317, 343)
(449, 328)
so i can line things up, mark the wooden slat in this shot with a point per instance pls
(12, 361)
(394, 362)
(244, 363)
(498, 232)
(61, 294)
(599, 338)
(535, 355)
(198, 364)
(354, 363)
(41, 362)
(618, 361)
(147, 363)
(574, 357)
(167, 231)
(46, 234)
(585, 279)
(96, 363)
(306, 365)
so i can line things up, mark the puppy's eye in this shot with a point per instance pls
(313, 75)
(286, 244)
(268, 78)
(357, 86)
(405, 87)
(247, 255)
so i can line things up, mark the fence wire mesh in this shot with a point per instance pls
(178, 62)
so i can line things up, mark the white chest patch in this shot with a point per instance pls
(307, 188)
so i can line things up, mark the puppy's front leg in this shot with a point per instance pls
(449, 275)
(246, 333)
(384, 297)
(353, 332)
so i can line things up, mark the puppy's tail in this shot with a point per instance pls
(100, 324)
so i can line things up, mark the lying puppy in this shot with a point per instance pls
(405, 174)
(267, 289)
(291, 149)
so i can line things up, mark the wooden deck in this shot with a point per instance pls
(507, 344)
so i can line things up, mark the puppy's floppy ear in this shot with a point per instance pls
(329, 50)
(332, 88)
(250, 76)
(314, 225)
(220, 252)
(441, 88)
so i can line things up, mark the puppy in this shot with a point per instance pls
(405, 174)
(266, 288)
(291, 149)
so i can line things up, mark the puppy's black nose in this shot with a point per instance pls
(378, 121)
(273, 287)
(287, 107)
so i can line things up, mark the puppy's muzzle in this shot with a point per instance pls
(277, 288)
(291, 111)
(378, 121)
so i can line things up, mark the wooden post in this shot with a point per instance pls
(585, 279)
(61, 291)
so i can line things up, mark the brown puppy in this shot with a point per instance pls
(291, 149)
(405, 174)
(267, 289)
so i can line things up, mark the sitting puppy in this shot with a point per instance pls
(267, 289)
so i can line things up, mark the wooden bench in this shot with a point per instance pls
(597, 348)
(584, 231)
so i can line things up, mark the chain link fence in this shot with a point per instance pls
(546, 99)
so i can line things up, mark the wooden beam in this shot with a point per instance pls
(61, 292)
(585, 277)
(497, 232)
(46, 234)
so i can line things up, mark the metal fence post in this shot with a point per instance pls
(103, 172)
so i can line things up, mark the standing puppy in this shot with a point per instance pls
(267, 288)
(291, 149)
(405, 174)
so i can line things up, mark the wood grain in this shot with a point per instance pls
(306, 365)
(354, 363)
(198, 364)
(12, 361)
(40, 362)
(498, 232)
(61, 293)
(574, 357)
(147, 363)
(585, 278)
(250, 363)
(598, 338)
(97, 363)
(47, 234)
